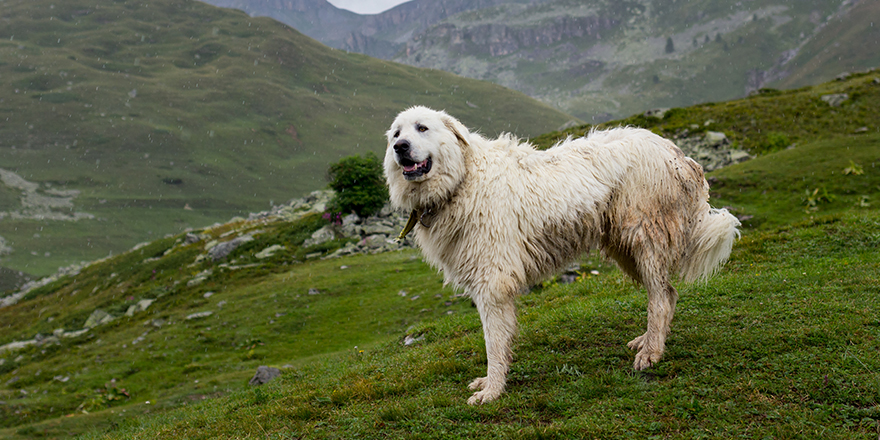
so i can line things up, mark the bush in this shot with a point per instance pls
(775, 141)
(359, 185)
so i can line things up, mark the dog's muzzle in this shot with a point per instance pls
(412, 169)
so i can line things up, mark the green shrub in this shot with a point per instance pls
(776, 141)
(359, 185)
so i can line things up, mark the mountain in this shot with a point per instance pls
(126, 120)
(161, 341)
(607, 59)
(380, 35)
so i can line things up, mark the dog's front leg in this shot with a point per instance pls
(498, 315)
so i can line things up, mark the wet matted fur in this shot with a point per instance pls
(497, 216)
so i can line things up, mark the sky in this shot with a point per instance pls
(366, 6)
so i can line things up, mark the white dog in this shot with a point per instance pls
(497, 216)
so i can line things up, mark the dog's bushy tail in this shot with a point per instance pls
(709, 245)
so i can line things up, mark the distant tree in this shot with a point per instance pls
(359, 185)
(718, 38)
(670, 46)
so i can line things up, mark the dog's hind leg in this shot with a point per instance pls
(662, 297)
(498, 315)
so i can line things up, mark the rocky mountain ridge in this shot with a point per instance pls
(602, 60)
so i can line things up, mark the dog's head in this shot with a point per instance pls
(425, 158)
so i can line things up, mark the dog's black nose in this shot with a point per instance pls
(402, 146)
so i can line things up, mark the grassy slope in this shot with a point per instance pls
(762, 351)
(804, 144)
(783, 343)
(261, 315)
(825, 57)
(147, 108)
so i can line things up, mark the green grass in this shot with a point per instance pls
(783, 344)
(153, 107)
(804, 182)
(261, 315)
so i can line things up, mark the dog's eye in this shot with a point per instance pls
(421, 128)
(397, 133)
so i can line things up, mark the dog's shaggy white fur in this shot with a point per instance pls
(497, 216)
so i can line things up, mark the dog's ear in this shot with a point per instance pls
(458, 130)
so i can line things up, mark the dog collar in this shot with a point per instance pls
(425, 217)
(410, 224)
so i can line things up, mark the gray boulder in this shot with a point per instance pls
(97, 318)
(835, 99)
(264, 375)
(322, 235)
(223, 250)
(139, 307)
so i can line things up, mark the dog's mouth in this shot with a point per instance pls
(413, 170)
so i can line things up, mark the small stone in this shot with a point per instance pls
(715, 137)
(223, 250)
(377, 229)
(97, 318)
(410, 340)
(374, 241)
(350, 219)
(191, 238)
(200, 278)
(264, 375)
(314, 291)
(320, 236)
(269, 251)
(737, 156)
(199, 315)
(835, 99)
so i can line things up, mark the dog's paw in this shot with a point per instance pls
(485, 396)
(489, 391)
(638, 343)
(478, 383)
(646, 359)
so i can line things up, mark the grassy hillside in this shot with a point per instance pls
(174, 113)
(827, 54)
(783, 343)
(805, 145)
